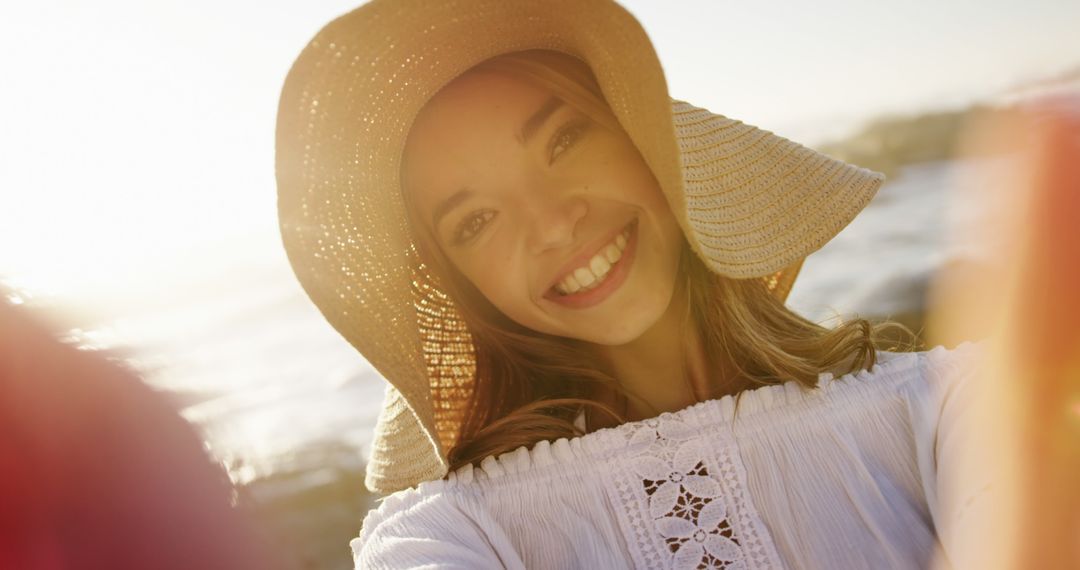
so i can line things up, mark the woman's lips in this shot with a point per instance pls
(610, 283)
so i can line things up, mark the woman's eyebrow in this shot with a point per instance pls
(530, 127)
(537, 119)
(447, 205)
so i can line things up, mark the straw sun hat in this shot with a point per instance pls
(751, 204)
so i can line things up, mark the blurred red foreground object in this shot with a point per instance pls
(1030, 299)
(1044, 332)
(98, 471)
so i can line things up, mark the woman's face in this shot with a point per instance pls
(556, 220)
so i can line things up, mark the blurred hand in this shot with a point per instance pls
(99, 471)
(1028, 301)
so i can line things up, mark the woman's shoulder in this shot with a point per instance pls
(918, 377)
(427, 525)
(938, 368)
(415, 502)
(914, 381)
(928, 367)
(893, 373)
(459, 509)
(966, 355)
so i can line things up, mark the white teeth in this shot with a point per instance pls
(612, 253)
(596, 270)
(584, 276)
(570, 284)
(599, 266)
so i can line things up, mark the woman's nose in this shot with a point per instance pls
(553, 222)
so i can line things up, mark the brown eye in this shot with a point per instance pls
(565, 138)
(472, 225)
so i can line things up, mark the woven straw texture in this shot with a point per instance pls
(751, 204)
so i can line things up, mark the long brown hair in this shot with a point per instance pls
(529, 387)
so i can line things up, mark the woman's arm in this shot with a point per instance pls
(955, 461)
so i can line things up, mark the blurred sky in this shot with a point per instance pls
(137, 137)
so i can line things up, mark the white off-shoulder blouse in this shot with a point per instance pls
(849, 475)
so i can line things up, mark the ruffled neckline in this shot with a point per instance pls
(753, 410)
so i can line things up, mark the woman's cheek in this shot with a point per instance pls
(492, 278)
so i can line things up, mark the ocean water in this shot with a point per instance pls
(257, 368)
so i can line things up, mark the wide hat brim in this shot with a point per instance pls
(752, 204)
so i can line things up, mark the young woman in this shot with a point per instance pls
(574, 285)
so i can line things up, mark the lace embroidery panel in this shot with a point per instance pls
(678, 506)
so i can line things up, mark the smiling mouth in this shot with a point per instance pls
(600, 275)
(596, 270)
